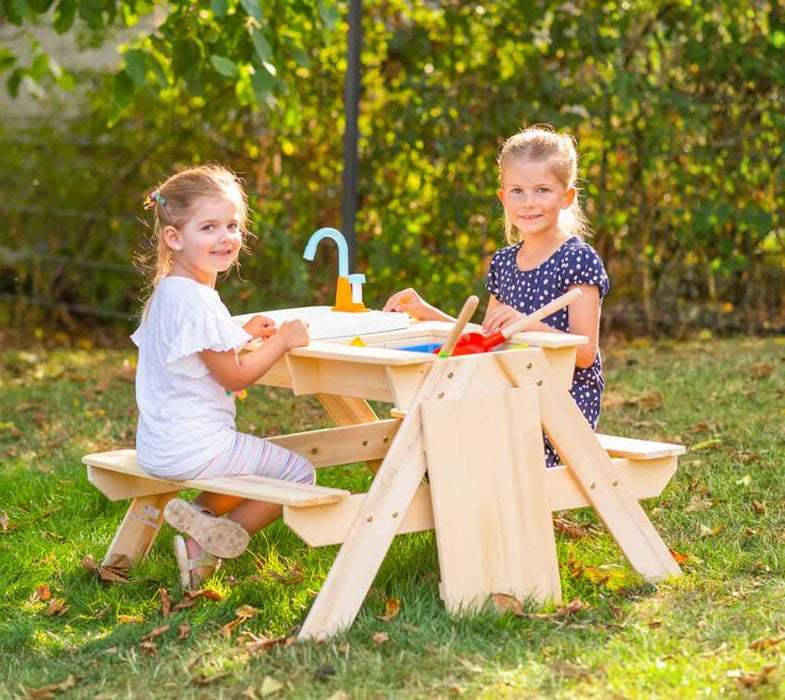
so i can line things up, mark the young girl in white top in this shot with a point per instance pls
(189, 368)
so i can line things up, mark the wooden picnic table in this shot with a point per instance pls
(474, 424)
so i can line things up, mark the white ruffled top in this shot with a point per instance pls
(186, 417)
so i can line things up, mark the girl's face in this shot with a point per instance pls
(533, 196)
(209, 242)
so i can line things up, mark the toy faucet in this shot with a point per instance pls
(348, 288)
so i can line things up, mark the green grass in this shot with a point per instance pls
(686, 637)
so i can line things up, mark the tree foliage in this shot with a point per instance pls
(676, 106)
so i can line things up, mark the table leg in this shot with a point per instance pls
(377, 521)
(580, 449)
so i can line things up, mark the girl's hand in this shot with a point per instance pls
(294, 334)
(410, 302)
(499, 317)
(260, 327)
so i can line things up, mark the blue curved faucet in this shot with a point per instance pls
(340, 241)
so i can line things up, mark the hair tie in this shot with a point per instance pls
(155, 197)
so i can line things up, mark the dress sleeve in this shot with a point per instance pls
(583, 265)
(205, 327)
(492, 283)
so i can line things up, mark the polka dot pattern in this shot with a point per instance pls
(575, 262)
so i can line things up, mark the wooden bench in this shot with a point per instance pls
(322, 515)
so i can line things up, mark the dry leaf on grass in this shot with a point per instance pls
(678, 556)
(265, 643)
(183, 631)
(506, 603)
(189, 597)
(201, 679)
(57, 607)
(566, 527)
(156, 632)
(129, 619)
(106, 573)
(48, 691)
(765, 643)
(391, 609)
(4, 522)
(166, 602)
(380, 638)
(758, 507)
(243, 613)
(149, 647)
(42, 593)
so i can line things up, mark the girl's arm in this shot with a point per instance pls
(234, 371)
(410, 302)
(584, 318)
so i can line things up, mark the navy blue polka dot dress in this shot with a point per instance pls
(574, 262)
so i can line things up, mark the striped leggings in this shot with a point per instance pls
(253, 456)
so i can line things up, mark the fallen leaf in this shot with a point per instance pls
(42, 593)
(48, 691)
(698, 504)
(380, 638)
(506, 603)
(243, 613)
(129, 619)
(106, 573)
(704, 531)
(270, 686)
(765, 643)
(154, 633)
(201, 679)
(343, 648)
(572, 530)
(292, 576)
(570, 609)
(4, 522)
(149, 647)
(678, 556)
(746, 480)
(166, 603)
(184, 630)
(189, 597)
(264, 643)
(57, 607)
(391, 608)
(654, 624)
(758, 507)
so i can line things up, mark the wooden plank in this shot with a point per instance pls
(638, 449)
(311, 375)
(491, 513)
(137, 532)
(406, 382)
(117, 486)
(325, 525)
(253, 487)
(350, 410)
(580, 449)
(368, 355)
(329, 447)
(378, 519)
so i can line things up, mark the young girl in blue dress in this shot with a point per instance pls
(189, 369)
(546, 257)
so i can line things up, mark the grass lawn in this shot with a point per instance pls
(719, 629)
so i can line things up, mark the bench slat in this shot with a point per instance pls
(638, 449)
(254, 487)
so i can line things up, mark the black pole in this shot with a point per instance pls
(350, 134)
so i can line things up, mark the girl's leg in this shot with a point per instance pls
(253, 456)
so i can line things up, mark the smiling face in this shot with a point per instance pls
(209, 242)
(533, 197)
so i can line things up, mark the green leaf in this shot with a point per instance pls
(329, 13)
(136, 66)
(301, 57)
(40, 66)
(253, 8)
(262, 82)
(123, 90)
(7, 60)
(15, 10)
(263, 49)
(159, 70)
(64, 15)
(218, 7)
(225, 66)
(40, 6)
(12, 84)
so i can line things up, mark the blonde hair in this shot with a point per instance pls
(541, 143)
(173, 202)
